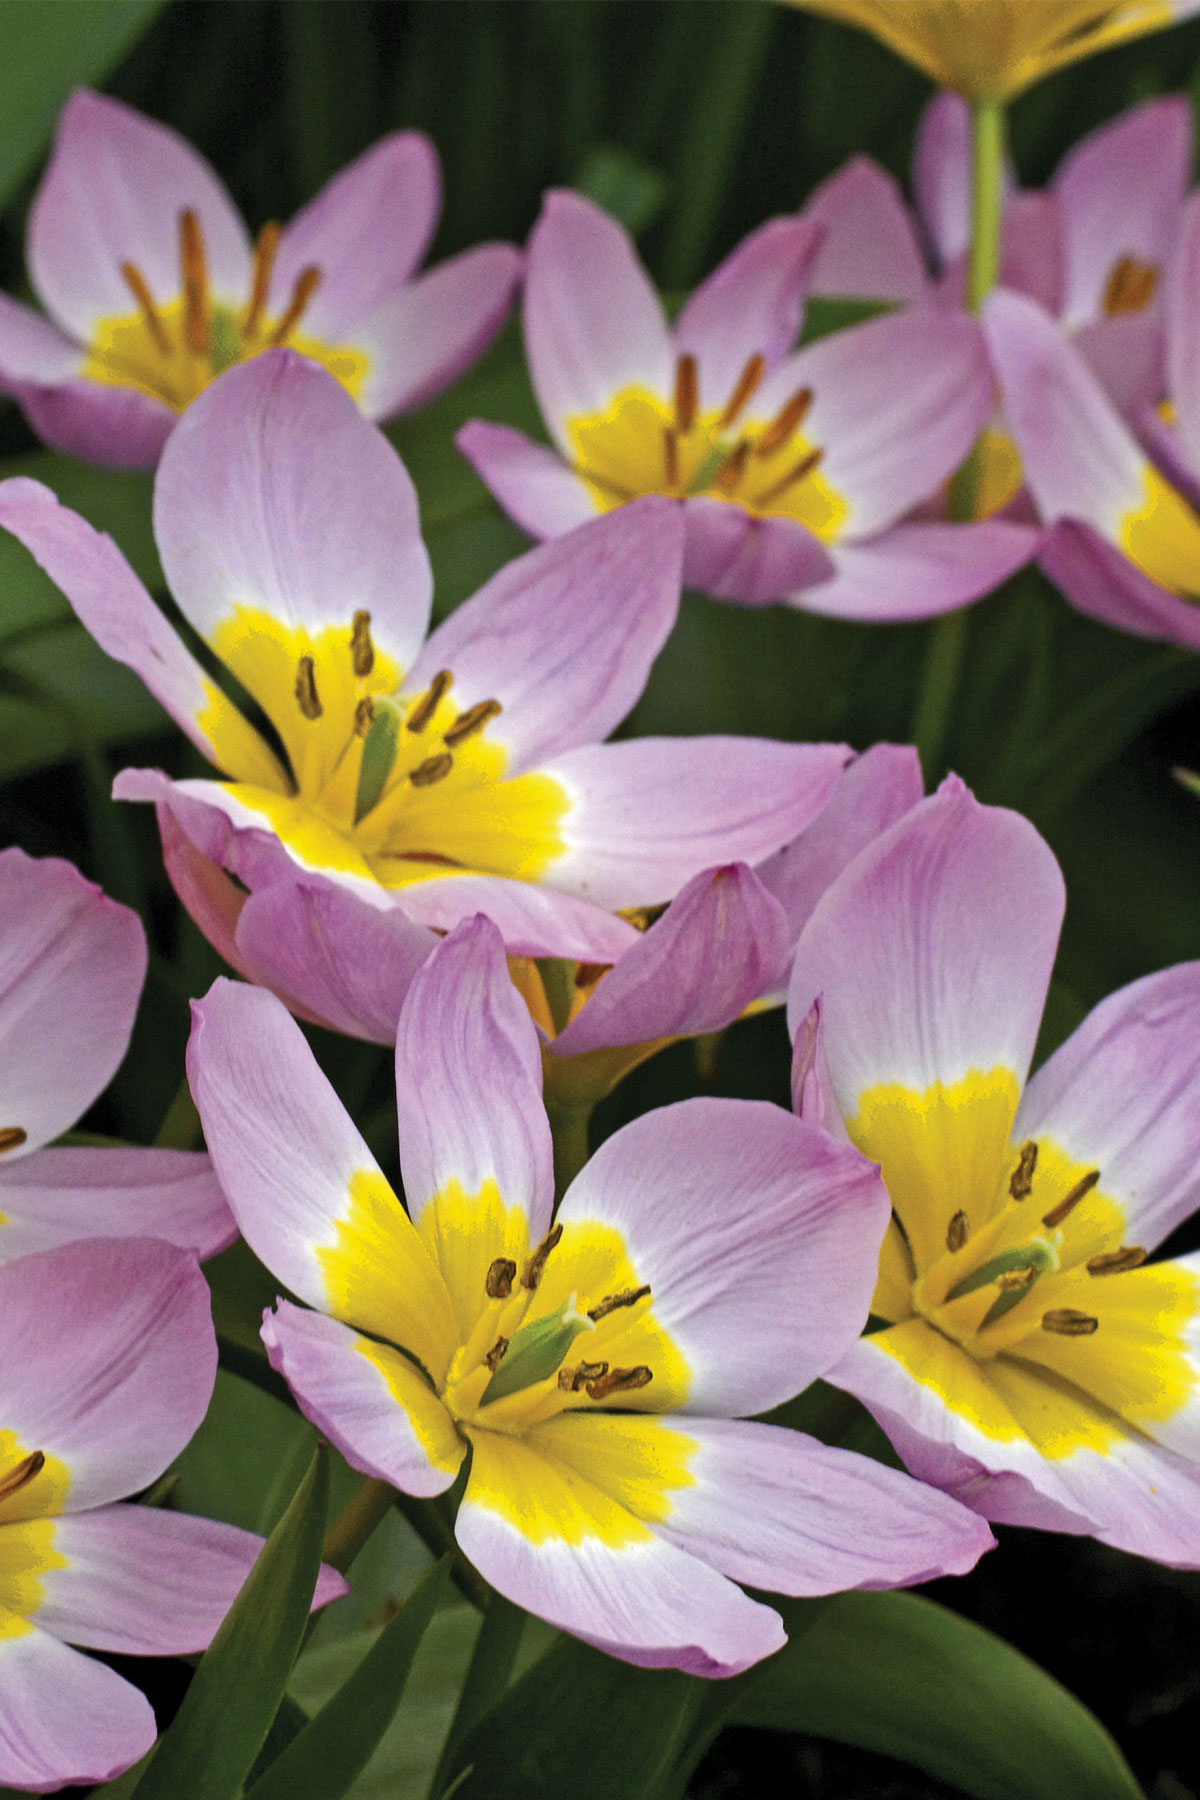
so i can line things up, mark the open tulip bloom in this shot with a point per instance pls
(72, 963)
(796, 469)
(152, 287)
(1029, 1359)
(444, 776)
(711, 1259)
(108, 1359)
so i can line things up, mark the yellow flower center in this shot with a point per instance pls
(640, 445)
(32, 1485)
(172, 348)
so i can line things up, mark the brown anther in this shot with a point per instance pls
(804, 467)
(1130, 286)
(588, 974)
(306, 286)
(1016, 1279)
(264, 261)
(495, 1355)
(22, 1475)
(362, 650)
(957, 1231)
(537, 1262)
(1067, 1321)
(686, 393)
(671, 456)
(434, 768)
(1129, 1256)
(730, 472)
(11, 1136)
(1071, 1199)
(619, 1381)
(747, 381)
(611, 1302)
(430, 700)
(473, 720)
(364, 713)
(195, 283)
(500, 1277)
(306, 689)
(784, 423)
(1020, 1182)
(135, 281)
(571, 1380)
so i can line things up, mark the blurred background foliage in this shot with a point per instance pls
(692, 120)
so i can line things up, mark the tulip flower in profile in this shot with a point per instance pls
(72, 963)
(108, 1360)
(710, 1260)
(796, 470)
(995, 49)
(152, 288)
(1028, 1358)
(443, 776)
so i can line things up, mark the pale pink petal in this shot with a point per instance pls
(65, 1718)
(469, 1081)
(593, 322)
(1103, 583)
(427, 335)
(917, 571)
(113, 193)
(117, 427)
(213, 901)
(942, 175)
(533, 921)
(1127, 355)
(758, 1236)
(736, 555)
(869, 248)
(751, 304)
(532, 482)
(32, 350)
(71, 1192)
(813, 1098)
(1183, 332)
(1031, 250)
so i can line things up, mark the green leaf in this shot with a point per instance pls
(242, 1677)
(48, 50)
(627, 188)
(899, 1674)
(323, 1761)
(823, 317)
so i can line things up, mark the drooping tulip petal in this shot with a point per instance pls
(733, 555)
(60, 1194)
(532, 483)
(33, 352)
(1103, 583)
(917, 571)
(65, 1717)
(869, 250)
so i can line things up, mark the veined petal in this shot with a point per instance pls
(65, 1717)
(115, 608)
(371, 1402)
(781, 1511)
(758, 1236)
(107, 1363)
(309, 1197)
(747, 558)
(647, 814)
(72, 963)
(1183, 331)
(534, 921)
(62, 1194)
(117, 427)
(918, 571)
(751, 304)
(113, 193)
(941, 175)
(1102, 582)
(556, 1544)
(593, 322)
(32, 350)
(533, 484)
(424, 337)
(869, 249)
(565, 636)
(722, 941)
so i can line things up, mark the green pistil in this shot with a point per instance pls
(1037, 1255)
(378, 755)
(537, 1351)
(224, 340)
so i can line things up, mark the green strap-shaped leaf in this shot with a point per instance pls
(899, 1674)
(239, 1684)
(324, 1760)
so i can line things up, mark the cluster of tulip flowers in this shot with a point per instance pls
(420, 839)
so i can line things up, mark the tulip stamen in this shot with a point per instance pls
(536, 1265)
(264, 261)
(20, 1476)
(1116, 1262)
(1130, 287)
(611, 1303)
(571, 1380)
(429, 702)
(136, 283)
(495, 1355)
(11, 1137)
(196, 319)
(804, 467)
(957, 1232)
(1068, 1321)
(786, 421)
(746, 383)
(306, 286)
(619, 1381)
(434, 768)
(501, 1274)
(671, 456)
(473, 720)
(686, 394)
(362, 650)
(1020, 1184)
(1071, 1199)
(307, 698)
(732, 469)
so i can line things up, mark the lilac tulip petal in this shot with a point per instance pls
(1123, 1095)
(113, 193)
(1127, 355)
(1031, 249)
(564, 637)
(427, 335)
(32, 350)
(72, 963)
(309, 516)
(757, 1234)
(813, 1098)
(734, 555)
(469, 1081)
(212, 900)
(1120, 191)
(752, 303)
(869, 250)
(58, 1195)
(942, 174)
(1183, 332)
(367, 230)
(647, 814)
(534, 921)
(107, 1360)
(722, 941)
(116, 427)
(875, 790)
(780, 1511)
(532, 483)
(593, 321)
(371, 1402)
(642, 1600)
(1104, 584)
(917, 571)
(65, 1717)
